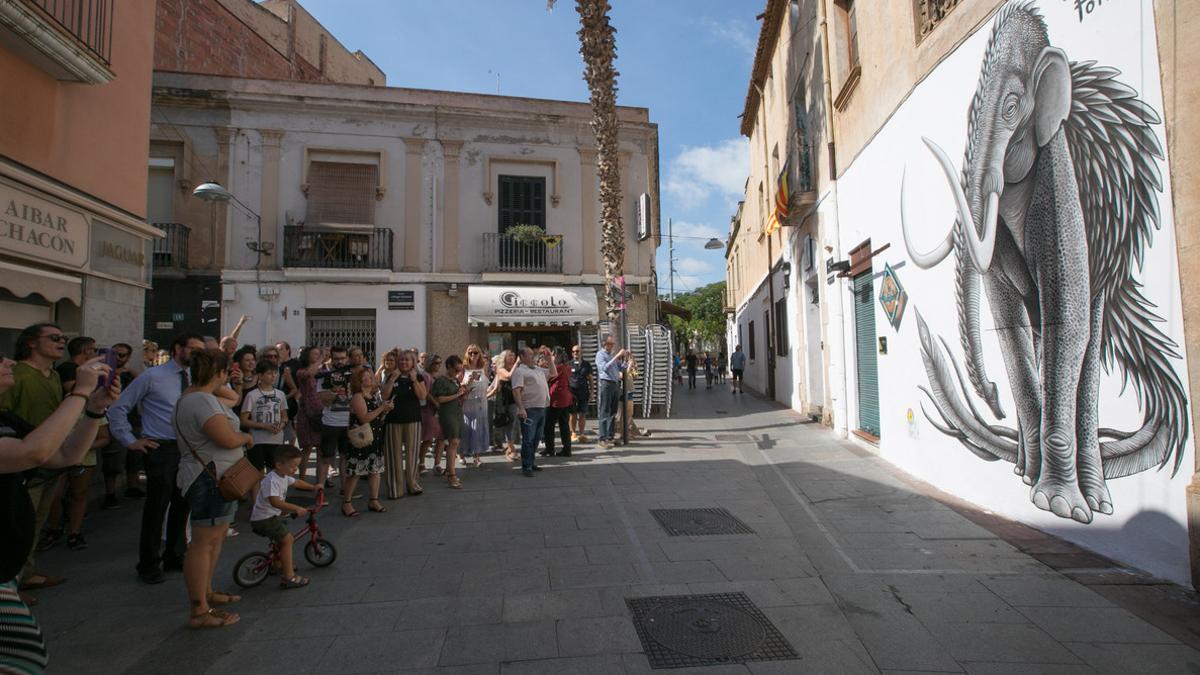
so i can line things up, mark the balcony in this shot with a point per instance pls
(502, 253)
(171, 251)
(366, 249)
(69, 39)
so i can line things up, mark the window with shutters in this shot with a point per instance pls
(750, 344)
(865, 355)
(341, 193)
(522, 201)
(781, 327)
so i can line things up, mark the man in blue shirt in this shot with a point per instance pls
(737, 364)
(154, 393)
(610, 368)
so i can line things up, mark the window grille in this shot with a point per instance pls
(751, 344)
(803, 164)
(930, 13)
(345, 331)
(341, 193)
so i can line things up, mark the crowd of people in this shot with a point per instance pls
(713, 367)
(174, 428)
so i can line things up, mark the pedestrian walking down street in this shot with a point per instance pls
(709, 370)
(155, 393)
(477, 436)
(690, 361)
(406, 390)
(722, 365)
(559, 412)
(610, 368)
(62, 439)
(737, 365)
(532, 391)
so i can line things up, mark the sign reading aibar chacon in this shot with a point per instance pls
(37, 228)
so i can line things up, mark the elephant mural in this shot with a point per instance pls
(1057, 202)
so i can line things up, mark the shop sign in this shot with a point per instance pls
(120, 253)
(402, 300)
(32, 227)
(531, 305)
(893, 298)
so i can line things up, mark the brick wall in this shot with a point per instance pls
(201, 36)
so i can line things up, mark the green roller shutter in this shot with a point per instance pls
(865, 356)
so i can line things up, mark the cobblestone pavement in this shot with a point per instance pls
(859, 567)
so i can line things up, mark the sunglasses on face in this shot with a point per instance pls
(57, 337)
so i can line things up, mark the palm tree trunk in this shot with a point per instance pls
(598, 47)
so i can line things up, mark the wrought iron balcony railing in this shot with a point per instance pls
(88, 21)
(366, 249)
(502, 253)
(171, 252)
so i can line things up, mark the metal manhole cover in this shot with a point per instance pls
(700, 630)
(736, 438)
(699, 522)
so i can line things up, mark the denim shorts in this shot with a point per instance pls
(208, 507)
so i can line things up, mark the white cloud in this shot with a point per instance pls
(687, 231)
(734, 34)
(692, 266)
(697, 172)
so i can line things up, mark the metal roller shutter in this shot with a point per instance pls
(865, 356)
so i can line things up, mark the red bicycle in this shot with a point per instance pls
(254, 567)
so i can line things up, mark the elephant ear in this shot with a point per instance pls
(1051, 82)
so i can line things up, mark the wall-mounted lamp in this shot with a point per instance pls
(261, 247)
(787, 276)
(452, 291)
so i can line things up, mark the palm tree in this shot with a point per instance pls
(598, 47)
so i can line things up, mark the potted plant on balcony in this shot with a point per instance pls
(525, 234)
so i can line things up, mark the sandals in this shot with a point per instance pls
(374, 506)
(288, 583)
(438, 470)
(453, 481)
(221, 598)
(477, 463)
(352, 513)
(213, 618)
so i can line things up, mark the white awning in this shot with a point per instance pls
(23, 281)
(531, 305)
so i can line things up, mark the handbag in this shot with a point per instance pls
(237, 479)
(361, 436)
(501, 419)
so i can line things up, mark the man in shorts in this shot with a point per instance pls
(737, 365)
(581, 388)
(334, 391)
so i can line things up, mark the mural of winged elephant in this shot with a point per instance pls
(1057, 202)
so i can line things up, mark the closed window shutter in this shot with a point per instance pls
(342, 193)
(522, 201)
(865, 356)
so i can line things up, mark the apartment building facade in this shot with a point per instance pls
(384, 216)
(74, 243)
(1033, 360)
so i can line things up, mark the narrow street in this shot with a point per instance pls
(859, 569)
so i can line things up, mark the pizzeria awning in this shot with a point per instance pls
(531, 305)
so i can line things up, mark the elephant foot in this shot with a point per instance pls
(1062, 498)
(1097, 497)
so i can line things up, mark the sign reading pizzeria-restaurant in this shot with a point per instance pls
(37, 228)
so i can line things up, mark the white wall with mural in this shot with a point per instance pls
(1039, 354)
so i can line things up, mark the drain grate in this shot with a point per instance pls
(699, 522)
(684, 631)
(736, 438)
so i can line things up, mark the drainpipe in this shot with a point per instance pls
(835, 329)
(770, 327)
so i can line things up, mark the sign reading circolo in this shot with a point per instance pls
(548, 306)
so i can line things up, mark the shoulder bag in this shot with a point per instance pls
(237, 479)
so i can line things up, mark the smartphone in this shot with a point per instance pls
(110, 360)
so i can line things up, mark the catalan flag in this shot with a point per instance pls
(782, 198)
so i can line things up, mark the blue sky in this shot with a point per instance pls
(688, 61)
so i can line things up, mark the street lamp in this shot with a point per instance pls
(713, 244)
(215, 192)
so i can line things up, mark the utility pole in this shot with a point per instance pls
(671, 255)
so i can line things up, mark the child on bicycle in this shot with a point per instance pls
(266, 518)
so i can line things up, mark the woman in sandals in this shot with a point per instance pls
(308, 418)
(365, 408)
(60, 441)
(504, 363)
(405, 388)
(449, 393)
(211, 442)
(431, 429)
(477, 433)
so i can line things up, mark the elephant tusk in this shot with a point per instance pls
(922, 260)
(981, 249)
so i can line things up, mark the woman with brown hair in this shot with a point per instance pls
(431, 428)
(504, 363)
(449, 392)
(406, 390)
(365, 408)
(212, 442)
(308, 417)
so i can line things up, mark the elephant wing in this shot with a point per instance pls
(1115, 152)
(1116, 157)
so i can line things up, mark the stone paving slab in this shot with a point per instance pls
(863, 569)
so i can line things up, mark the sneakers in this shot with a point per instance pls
(76, 542)
(111, 502)
(49, 540)
(605, 444)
